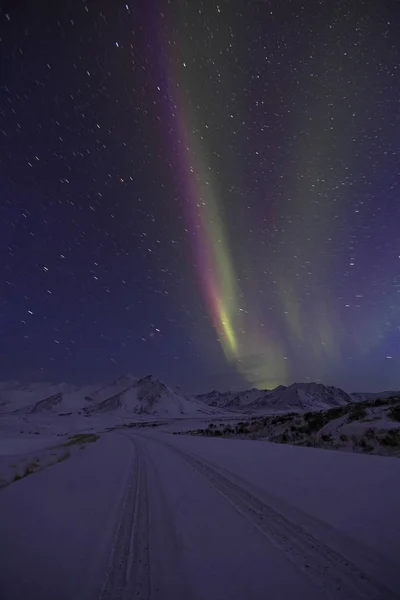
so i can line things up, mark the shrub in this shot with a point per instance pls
(370, 433)
(335, 413)
(357, 413)
(29, 469)
(392, 438)
(303, 429)
(242, 428)
(366, 447)
(316, 422)
(82, 438)
(64, 457)
(344, 437)
(394, 413)
(326, 437)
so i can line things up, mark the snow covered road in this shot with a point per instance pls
(153, 516)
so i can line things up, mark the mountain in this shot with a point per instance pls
(231, 400)
(304, 397)
(296, 397)
(146, 396)
(119, 386)
(363, 396)
(125, 396)
(129, 396)
(43, 398)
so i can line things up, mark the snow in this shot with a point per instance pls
(126, 396)
(146, 514)
(130, 395)
(14, 445)
(355, 493)
(58, 523)
(296, 397)
(142, 513)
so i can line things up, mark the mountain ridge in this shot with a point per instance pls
(131, 395)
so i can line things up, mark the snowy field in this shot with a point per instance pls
(100, 501)
(142, 513)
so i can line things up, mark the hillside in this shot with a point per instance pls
(146, 396)
(296, 397)
(368, 426)
(125, 396)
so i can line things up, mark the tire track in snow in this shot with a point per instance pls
(336, 575)
(128, 573)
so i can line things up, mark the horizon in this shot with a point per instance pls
(105, 383)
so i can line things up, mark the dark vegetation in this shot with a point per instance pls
(394, 413)
(143, 424)
(29, 469)
(305, 429)
(79, 439)
(64, 456)
(82, 438)
(392, 438)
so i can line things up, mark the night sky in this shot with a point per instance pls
(205, 192)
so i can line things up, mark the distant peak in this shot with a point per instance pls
(280, 388)
(150, 379)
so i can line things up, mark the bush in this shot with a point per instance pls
(326, 437)
(303, 429)
(366, 447)
(316, 422)
(82, 438)
(357, 413)
(29, 469)
(370, 433)
(392, 438)
(64, 457)
(394, 413)
(344, 437)
(335, 413)
(241, 430)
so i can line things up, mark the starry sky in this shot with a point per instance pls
(205, 192)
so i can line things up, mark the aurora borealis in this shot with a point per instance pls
(207, 192)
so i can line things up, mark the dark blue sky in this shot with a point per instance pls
(138, 137)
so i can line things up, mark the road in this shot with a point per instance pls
(173, 524)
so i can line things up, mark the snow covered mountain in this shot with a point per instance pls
(43, 398)
(129, 396)
(296, 397)
(126, 396)
(304, 397)
(146, 396)
(362, 396)
(232, 400)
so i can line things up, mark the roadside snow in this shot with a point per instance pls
(355, 493)
(53, 541)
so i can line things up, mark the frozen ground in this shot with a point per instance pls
(144, 514)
